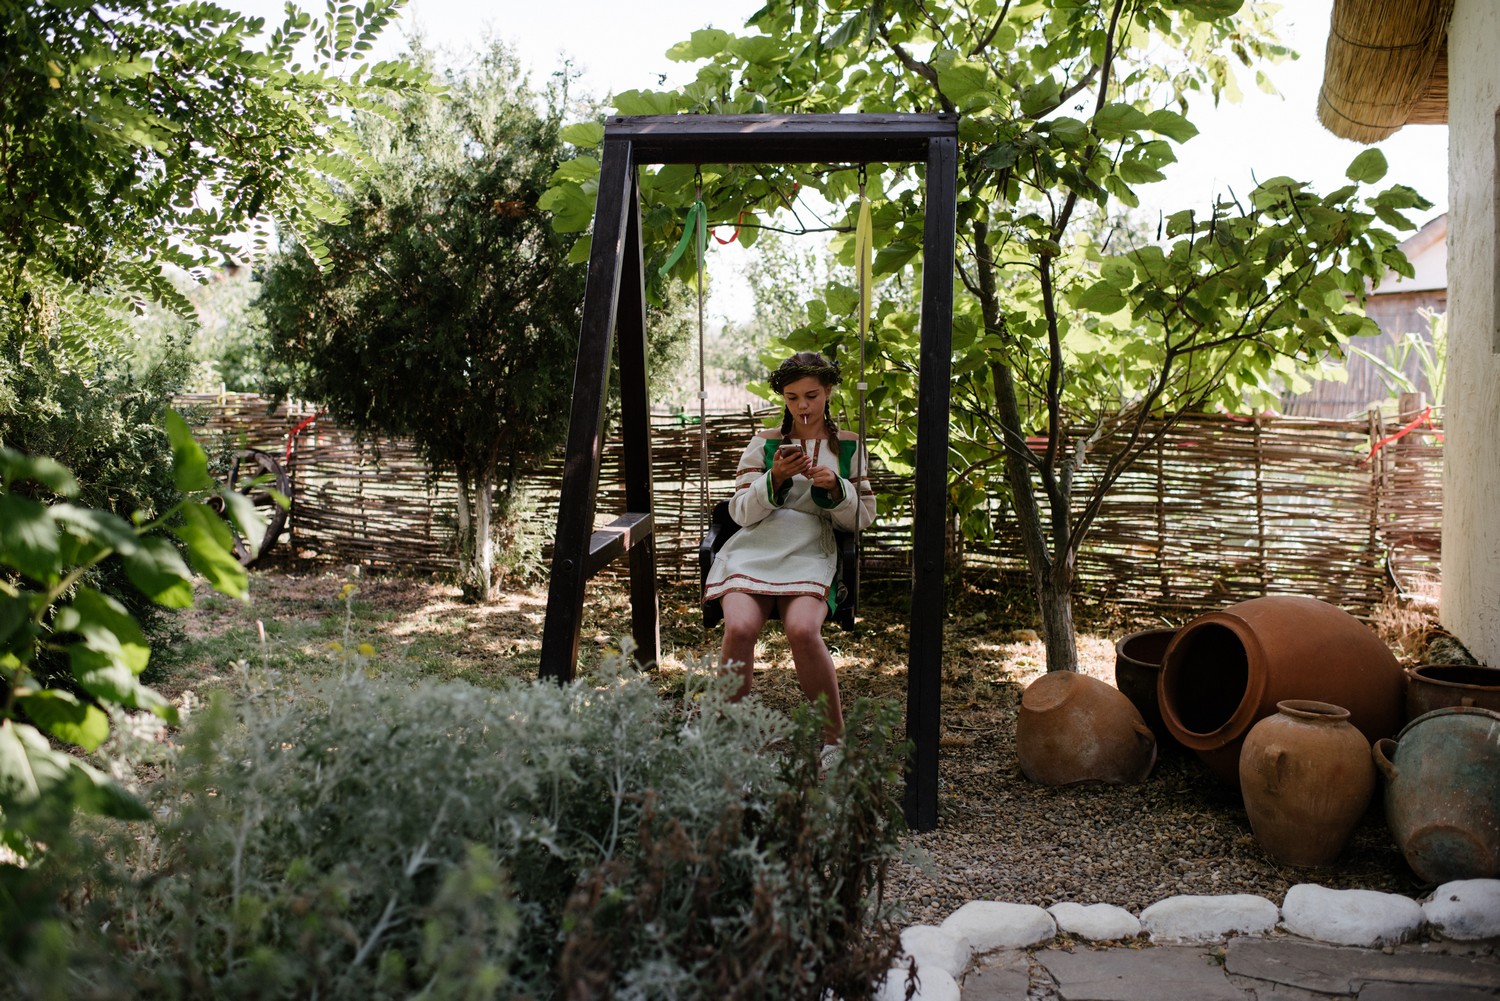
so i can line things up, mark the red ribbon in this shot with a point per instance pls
(291, 439)
(1425, 417)
(732, 236)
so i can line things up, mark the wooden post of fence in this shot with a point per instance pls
(1163, 577)
(1260, 504)
(1406, 474)
(1411, 406)
(1376, 461)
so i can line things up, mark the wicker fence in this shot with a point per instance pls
(1220, 510)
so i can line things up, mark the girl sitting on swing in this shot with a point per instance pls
(793, 487)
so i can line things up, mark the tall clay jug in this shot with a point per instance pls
(1307, 777)
(1228, 669)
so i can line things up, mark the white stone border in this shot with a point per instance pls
(1465, 910)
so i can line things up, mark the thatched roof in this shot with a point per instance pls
(1386, 66)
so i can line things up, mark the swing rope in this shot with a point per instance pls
(863, 238)
(695, 228)
(696, 224)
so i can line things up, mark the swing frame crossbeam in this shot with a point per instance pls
(614, 307)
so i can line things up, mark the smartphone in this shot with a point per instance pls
(786, 451)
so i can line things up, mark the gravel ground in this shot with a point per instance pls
(1001, 837)
(1182, 830)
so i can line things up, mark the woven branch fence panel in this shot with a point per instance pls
(371, 502)
(1218, 509)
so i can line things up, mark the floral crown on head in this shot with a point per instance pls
(791, 370)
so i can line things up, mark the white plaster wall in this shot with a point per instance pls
(1471, 473)
(1428, 253)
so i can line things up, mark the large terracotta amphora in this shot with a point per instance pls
(1074, 728)
(1442, 793)
(1226, 671)
(1137, 668)
(1437, 686)
(1307, 778)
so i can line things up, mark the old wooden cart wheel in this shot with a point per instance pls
(256, 474)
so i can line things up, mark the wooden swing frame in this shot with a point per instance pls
(615, 302)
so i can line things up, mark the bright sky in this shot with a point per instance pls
(620, 46)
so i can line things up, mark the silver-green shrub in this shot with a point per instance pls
(371, 839)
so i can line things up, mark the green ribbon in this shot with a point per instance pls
(697, 221)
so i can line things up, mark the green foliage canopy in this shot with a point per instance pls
(138, 133)
(447, 311)
(1065, 332)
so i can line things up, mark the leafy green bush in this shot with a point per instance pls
(106, 428)
(370, 839)
(50, 549)
(222, 344)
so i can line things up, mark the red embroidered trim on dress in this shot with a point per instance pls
(769, 583)
(719, 590)
(821, 596)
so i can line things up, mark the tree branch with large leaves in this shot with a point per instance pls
(137, 134)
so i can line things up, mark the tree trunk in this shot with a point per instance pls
(476, 545)
(1056, 603)
(465, 520)
(469, 579)
(484, 542)
(1051, 567)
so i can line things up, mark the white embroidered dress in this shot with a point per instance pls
(785, 545)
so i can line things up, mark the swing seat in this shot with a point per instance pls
(721, 526)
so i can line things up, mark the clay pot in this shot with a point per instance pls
(1442, 793)
(1074, 728)
(1437, 686)
(1307, 778)
(1227, 670)
(1138, 659)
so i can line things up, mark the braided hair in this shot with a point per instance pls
(800, 366)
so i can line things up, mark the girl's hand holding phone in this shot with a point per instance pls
(790, 461)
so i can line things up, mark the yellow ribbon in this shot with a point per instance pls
(862, 242)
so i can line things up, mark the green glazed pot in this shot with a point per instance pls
(1442, 793)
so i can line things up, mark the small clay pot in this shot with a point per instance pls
(1438, 686)
(1074, 728)
(1307, 778)
(1138, 658)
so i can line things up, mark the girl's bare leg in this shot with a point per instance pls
(803, 619)
(744, 617)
